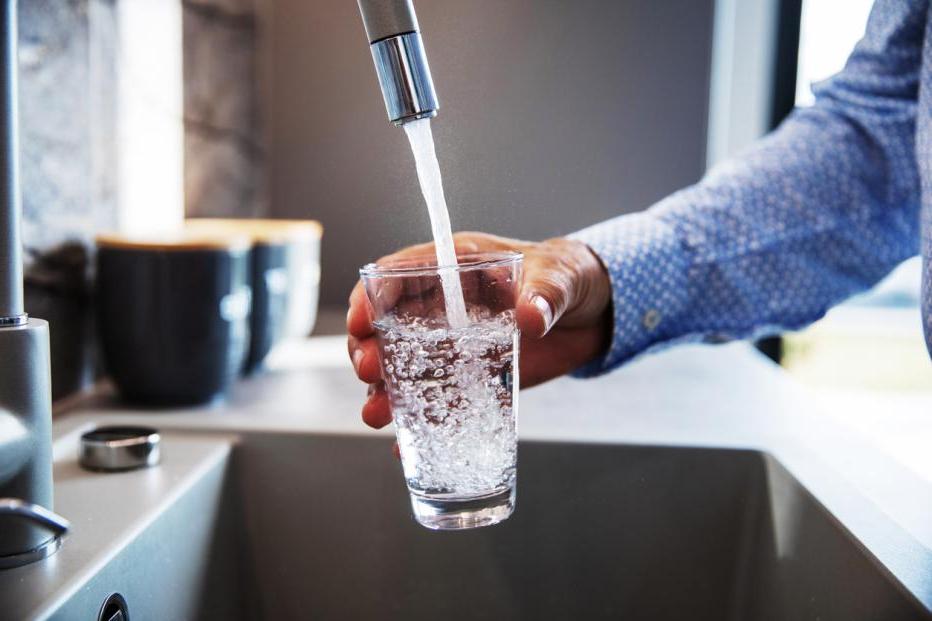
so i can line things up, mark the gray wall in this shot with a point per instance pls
(554, 114)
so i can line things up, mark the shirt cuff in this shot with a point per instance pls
(648, 266)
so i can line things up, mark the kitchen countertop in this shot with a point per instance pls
(123, 509)
(723, 396)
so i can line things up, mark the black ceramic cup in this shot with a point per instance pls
(269, 278)
(284, 275)
(172, 315)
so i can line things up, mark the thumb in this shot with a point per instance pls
(548, 291)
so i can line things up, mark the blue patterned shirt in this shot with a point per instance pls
(820, 209)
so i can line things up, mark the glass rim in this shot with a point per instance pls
(466, 262)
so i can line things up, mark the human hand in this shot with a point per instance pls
(563, 312)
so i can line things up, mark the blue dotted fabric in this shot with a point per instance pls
(820, 209)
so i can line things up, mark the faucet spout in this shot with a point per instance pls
(400, 59)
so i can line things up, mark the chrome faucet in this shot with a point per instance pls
(400, 60)
(29, 531)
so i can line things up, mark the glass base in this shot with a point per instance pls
(458, 513)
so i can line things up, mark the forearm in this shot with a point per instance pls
(819, 210)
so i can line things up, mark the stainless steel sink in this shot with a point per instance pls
(301, 526)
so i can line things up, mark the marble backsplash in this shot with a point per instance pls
(224, 151)
(69, 74)
(67, 156)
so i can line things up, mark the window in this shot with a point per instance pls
(828, 31)
(874, 341)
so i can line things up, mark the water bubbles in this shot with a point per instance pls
(452, 409)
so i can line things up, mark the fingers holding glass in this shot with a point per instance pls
(376, 412)
(364, 354)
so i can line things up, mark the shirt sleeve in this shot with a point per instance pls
(820, 209)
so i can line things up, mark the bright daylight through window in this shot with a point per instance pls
(874, 340)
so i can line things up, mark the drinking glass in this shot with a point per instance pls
(453, 389)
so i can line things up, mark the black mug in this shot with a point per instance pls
(285, 274)
(269, 277)
(173, 315)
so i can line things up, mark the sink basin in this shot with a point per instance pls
(311, 526)
(614, 532)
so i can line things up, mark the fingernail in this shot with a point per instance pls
(358, 355)
(545, 311)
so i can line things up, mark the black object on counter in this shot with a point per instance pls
(284, 273)
(172, 315)
(269, 277)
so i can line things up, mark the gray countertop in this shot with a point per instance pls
(725, 396)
